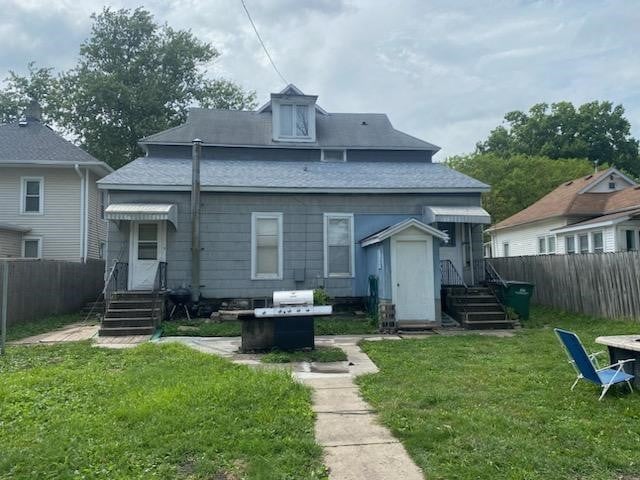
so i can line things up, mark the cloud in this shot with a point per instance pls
(443, 71)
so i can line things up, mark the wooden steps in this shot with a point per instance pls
(476, 308)
(131, 313)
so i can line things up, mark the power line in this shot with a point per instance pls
(264, 47)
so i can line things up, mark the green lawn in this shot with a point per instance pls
(337, 325)
(477, 407)
(156, 411)
(45, 324)
(319, 354)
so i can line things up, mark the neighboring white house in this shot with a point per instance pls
(593, 214)
(50, 206)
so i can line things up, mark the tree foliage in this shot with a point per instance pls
(596, 130)
(519, 180)
(133, 78)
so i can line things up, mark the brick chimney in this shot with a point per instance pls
(33, 112)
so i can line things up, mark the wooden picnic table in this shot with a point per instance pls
(623, 347)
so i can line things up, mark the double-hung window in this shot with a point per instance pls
(505, 249)
(551, 245)
(266, 246)
(583, 243)
(338, 245)
(294, 121)
(542, 245)
(570, 244)
(32, 195)
(597, 242)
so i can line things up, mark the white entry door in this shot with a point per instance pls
(147, 249)
(413, 279)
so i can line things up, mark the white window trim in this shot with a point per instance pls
(344, 155)
(31, 237)
(23, 193)
(311, 121)
(263, 276)
(325, 229)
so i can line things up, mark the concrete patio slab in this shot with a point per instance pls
(345, 399)
(74, 332)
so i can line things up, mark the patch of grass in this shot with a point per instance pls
(319, 354)
(155, 411)
(45, 324)
(472, 406)
(337, 325)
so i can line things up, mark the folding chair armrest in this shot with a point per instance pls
(595, 354)
(618, 364)
(594, 358)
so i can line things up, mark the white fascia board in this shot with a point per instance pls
(589, 226)
(187, 188)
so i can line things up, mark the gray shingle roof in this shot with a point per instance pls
(233, 127)
(36, 141)
(252, 175)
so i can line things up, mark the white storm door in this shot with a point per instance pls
(147, 249)
(413, 277)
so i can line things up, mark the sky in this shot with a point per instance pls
(445, 71)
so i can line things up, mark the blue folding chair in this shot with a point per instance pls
(586, 365)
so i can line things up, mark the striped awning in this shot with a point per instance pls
(143, 212)
(456, 214)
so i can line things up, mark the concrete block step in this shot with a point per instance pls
(127, 322)
(125, 331)
(128, 312)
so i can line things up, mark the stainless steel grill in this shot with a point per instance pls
(293, 303)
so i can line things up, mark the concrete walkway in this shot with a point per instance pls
(74, 332)
(356, 446)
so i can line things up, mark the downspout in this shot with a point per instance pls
(76, 167)
(86, 215)
(195, 219)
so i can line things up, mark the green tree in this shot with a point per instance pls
(39, 84)
(598, 131)
(519, 180)
(134, 77)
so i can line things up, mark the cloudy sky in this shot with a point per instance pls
(443, 70)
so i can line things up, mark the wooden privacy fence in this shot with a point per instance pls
(37, 288)
(606, 284)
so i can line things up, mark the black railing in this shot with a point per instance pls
(450, 275)
(484, 272)
(159, 286)
(117, 280)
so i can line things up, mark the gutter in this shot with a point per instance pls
(195, 220)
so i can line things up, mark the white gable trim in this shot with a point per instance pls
(399, 227)
(605, 177)
(296, 91)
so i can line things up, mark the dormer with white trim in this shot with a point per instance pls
(293, 115)
(613, 181)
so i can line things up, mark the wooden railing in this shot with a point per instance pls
(450, 275)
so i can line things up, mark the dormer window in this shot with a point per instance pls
(294, 121)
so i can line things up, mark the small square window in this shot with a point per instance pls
(612, 185)
(31, 248)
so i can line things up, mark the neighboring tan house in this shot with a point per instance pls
(50, 206)
(294, 197)
(594, 214)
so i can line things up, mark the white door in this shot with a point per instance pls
(413, 281)
(147, 249)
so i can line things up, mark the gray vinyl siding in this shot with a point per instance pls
(10, 244)
(226, 236)
(97, 227)
(287, 154)
(59, 226)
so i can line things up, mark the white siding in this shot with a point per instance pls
(59, 226)
(523, 240)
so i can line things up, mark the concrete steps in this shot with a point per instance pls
(131, 313)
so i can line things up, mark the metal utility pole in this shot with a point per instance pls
(195, 219)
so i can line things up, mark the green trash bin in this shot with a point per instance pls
(516, 295)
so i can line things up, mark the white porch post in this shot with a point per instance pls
(473, 276)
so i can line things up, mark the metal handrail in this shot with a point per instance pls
(159, 285)
(116, 280)
(450, 275)
(493, 274)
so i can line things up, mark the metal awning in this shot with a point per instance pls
(143, 212)
(456, 214)
(14, 228)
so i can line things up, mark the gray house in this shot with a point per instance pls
(294, 197)
(50, 206)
